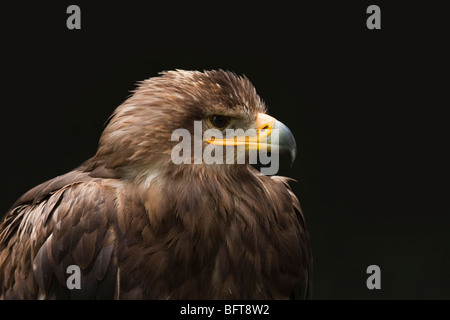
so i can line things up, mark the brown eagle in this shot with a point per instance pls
(139, 226)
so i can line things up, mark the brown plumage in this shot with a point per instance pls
(141, 227)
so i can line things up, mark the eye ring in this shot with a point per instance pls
(219, 121)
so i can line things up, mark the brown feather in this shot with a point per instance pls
(139, 226)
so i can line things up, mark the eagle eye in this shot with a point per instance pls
(219, 122)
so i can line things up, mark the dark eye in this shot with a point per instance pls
(219, 122)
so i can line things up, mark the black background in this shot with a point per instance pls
(366, 107)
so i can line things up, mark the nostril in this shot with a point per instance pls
(265, 127)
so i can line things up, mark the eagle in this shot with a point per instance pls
(139, 226)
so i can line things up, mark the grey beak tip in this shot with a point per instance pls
(293, 152)
(287, 141)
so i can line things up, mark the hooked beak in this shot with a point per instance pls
(270, 135)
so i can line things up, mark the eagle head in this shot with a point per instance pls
(141, 134)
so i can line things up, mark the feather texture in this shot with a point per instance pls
(141, 227)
